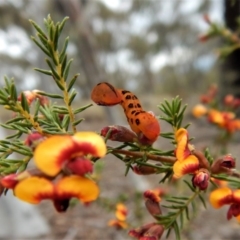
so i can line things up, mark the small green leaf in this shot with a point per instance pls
(63, 52)
(72, 81)
(54, 73)
(24, 103)
(41, 47)
(78, 121)
(82, 108)
(61, 26)
(37, 28)
(56, 36)
(202, 200)
(72, 96)
(66, 71)
(189, 185)
(47, 72)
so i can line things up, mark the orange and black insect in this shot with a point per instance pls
(143, 123)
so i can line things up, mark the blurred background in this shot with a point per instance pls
(150, 47)
(146, 46)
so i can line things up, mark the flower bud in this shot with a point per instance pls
(199, 110)
(33, 139)
(152, 200)
(153, 233)
(228, 100)
(29, 95)
(144, 170)
(42, 99)
(233, 211)
(224, 165)
(11, 180)
(119, 133)
(138, 232)
(80, 166)
(201, 179)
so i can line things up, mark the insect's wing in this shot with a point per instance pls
(105, 94)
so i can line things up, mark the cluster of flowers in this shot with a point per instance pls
(225, 119)
(62, 170)
(191, 161)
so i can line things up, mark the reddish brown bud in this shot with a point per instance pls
(42, 99)
(205, 99)
(224, 165)
(80, 166)
(11, 180)
(34, 139)
(153, 207)
(119, 133)
(144, 170)
(138, 232)
(29, 95)
(228, 100)
(201, 179)
(153, 233)
(233, 211)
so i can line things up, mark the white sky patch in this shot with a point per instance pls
(14, 42)
(121, 5)
(178, 54)
(16, 3)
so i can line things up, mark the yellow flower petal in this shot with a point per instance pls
(187, 166)
(121, 212)
(221, 196)
(180, 133)
(34, 189)
(51, 153)
(199, 110)
(181, 137)
(118, 224)
(91, 143)
(76, 186)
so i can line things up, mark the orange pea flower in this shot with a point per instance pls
(186, 162)
(58, 152)
(35, 189)
(199, 110)
(227, 196)
(121, 215)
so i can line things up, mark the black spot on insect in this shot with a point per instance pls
(128, 97)
(130, 105)
(137, 121)
(134, 97)
(137, 113)
(131, 120)
(139, 105)
(124, 92)
(99, 84)
(132, 112)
